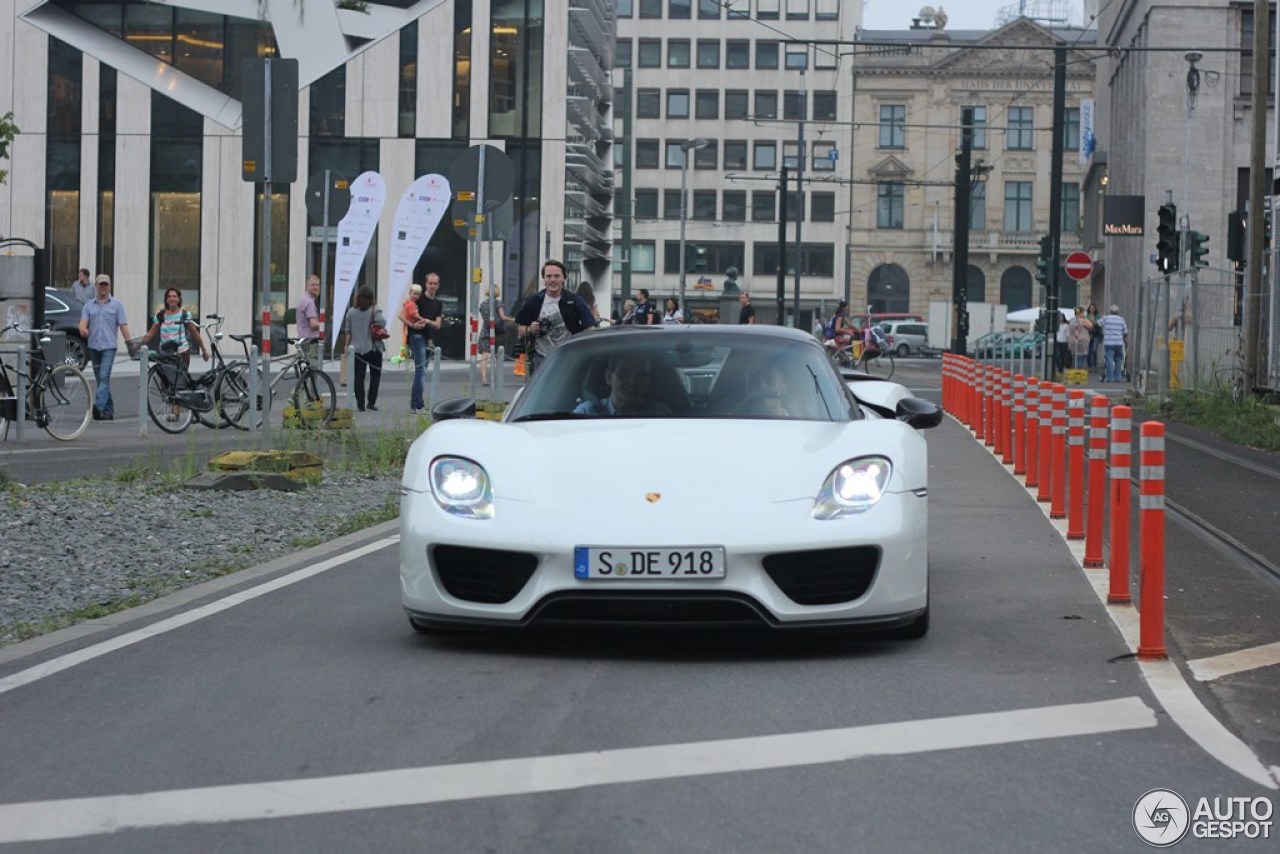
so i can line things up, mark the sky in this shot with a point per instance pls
(961, 14)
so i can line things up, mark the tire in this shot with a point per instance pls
(67, 403)
(214, 419)
(903, 350)
(232, 396)
(160, 404)
(6, 391)
(315, 389)
(77, 354)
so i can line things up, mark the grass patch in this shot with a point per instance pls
(1247, 422)
(389, 510)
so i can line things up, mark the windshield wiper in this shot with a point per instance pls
(546, 416)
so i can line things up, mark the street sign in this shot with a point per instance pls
(1079, 266)
(339, 197)
(270, 98)
(499, 180)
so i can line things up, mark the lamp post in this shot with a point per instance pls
(685, 147)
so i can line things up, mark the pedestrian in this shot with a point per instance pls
(174, 327)
(359, 325)
(1079, 331)
(307, 315)
(1061, 345)
(588, 295)
(483, 348)
(422, 334)
(82, 287)
(646, 312)
(1095, 334)
(746, 314)
(628, 312)
(551, 315)
(1115, 335)
(673, 314)
(100, 319)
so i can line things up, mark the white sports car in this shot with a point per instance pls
(706, 474)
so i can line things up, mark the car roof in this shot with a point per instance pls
(701, 330)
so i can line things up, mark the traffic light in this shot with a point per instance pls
(1045, 260)
(1235, 236)
(1197, 248)
(699, 258)
(1168, 248)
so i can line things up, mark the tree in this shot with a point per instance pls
(8, 130)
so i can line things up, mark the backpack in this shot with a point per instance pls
(829, 328)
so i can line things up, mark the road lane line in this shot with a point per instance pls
(80, 656)
(80, 817)
(1228, 663)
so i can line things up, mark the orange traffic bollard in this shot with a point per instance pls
(1121, 449)
(979, 399)
(988, 404)
(1075, 464)
(1019, 424)
(1046, 440)
(1006, 419)
(1033, 432)
(1058, 462)
(1097, 482)
(1151, 540)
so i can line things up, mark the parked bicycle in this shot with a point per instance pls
(58, 396)
(175, 396)
(313, 395)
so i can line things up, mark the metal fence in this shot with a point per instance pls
(1190, 333)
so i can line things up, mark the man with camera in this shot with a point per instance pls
(550, 316)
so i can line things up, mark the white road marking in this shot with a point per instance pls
(57, 665)
(79, 817)
(1217, 666)
(1163, 677)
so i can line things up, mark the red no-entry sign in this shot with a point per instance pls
(1079, 266)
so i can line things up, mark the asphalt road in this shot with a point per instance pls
(308, 716)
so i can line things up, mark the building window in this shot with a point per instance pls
(979, 126)
(329, 103)
(707, 104)
(176, 159)
(1071, 130)
(816, 259)
(650, 8)
(646, 204)
(677, 103)
(822, 207)
(766, 104)
(766, 55)
(978, 206)
(62, 163)
(408, 80)
(704, 204)
(893, 126)
(680, 9)
(675, 156)
(890, 203)
(622, 53)
(1246, 55)
(671, 204)
(647, 154)
(737, 53)
(763, 206)
(644, 256)
(707, 157)
(720, 256)
(767, 10)
(678, 53)
(1021, 130)
(795, 207)
(765, 157)
(824, 157)
(824, 105)
(797, 57)
(793, 104)
(736, 103)
(1017, 206)
(709, 9)
(515, 60)
(105, 258)
(625, 8)
(797, 10)
(888, 289)
(708, 53)
(648, 103)
(792, 154)
(650, 53)
(740, 10)
(735, 206)
(1071, 208)
(826, 10)
(735, 154)
(461, 71)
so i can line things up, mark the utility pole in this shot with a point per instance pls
(960, 250)
(1055, 201)
(625, 208)
(1257, 192)
(782, 250)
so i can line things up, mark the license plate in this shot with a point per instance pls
(637, 563)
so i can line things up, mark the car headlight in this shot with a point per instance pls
(462, 487)
(853, 487)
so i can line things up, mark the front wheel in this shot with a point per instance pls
(231, 396)
(314, 399)
(215, 418)
(76, 356)
(162, 404)
(66, 402)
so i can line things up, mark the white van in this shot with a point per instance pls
(906, 337)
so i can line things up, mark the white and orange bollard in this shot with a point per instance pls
(1075, 464)
(1121, 451)
(1151, 541)
(1019, 424)
(1046, 441)
(1033, 433)
(1058, 461)
(979, 399)
(1097, 482)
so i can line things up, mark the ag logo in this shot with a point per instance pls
(1161, 817)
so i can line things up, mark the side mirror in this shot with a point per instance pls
(917, 413)
(454, 407)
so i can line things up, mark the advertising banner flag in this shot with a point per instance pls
(1088, 140)
(355, 232)
(418, 215)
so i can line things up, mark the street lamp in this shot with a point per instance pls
(685, 148)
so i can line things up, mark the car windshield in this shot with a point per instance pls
(684, 374)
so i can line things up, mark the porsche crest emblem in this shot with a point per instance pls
(653, 497)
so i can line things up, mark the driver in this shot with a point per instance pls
(628, 379)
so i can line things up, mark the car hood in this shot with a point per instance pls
(686, 461)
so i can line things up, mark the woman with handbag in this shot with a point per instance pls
(366, 329)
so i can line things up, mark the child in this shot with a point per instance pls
(411, 304)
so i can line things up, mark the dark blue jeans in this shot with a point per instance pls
(418, 347)
(102, 361)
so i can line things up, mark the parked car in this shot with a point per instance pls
(859, 321)
(828, 535)
(62, 313)
(906, 337)
(985, 346)
(1027, 345)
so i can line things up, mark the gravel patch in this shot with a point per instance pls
(65, 547)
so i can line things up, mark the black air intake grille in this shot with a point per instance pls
(482, 575)
(825, 576)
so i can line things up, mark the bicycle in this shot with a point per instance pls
(175, 396)
(58, 398)
(879, 364)
(313, 390)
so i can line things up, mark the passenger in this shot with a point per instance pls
(628, 379)
(765, 390)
